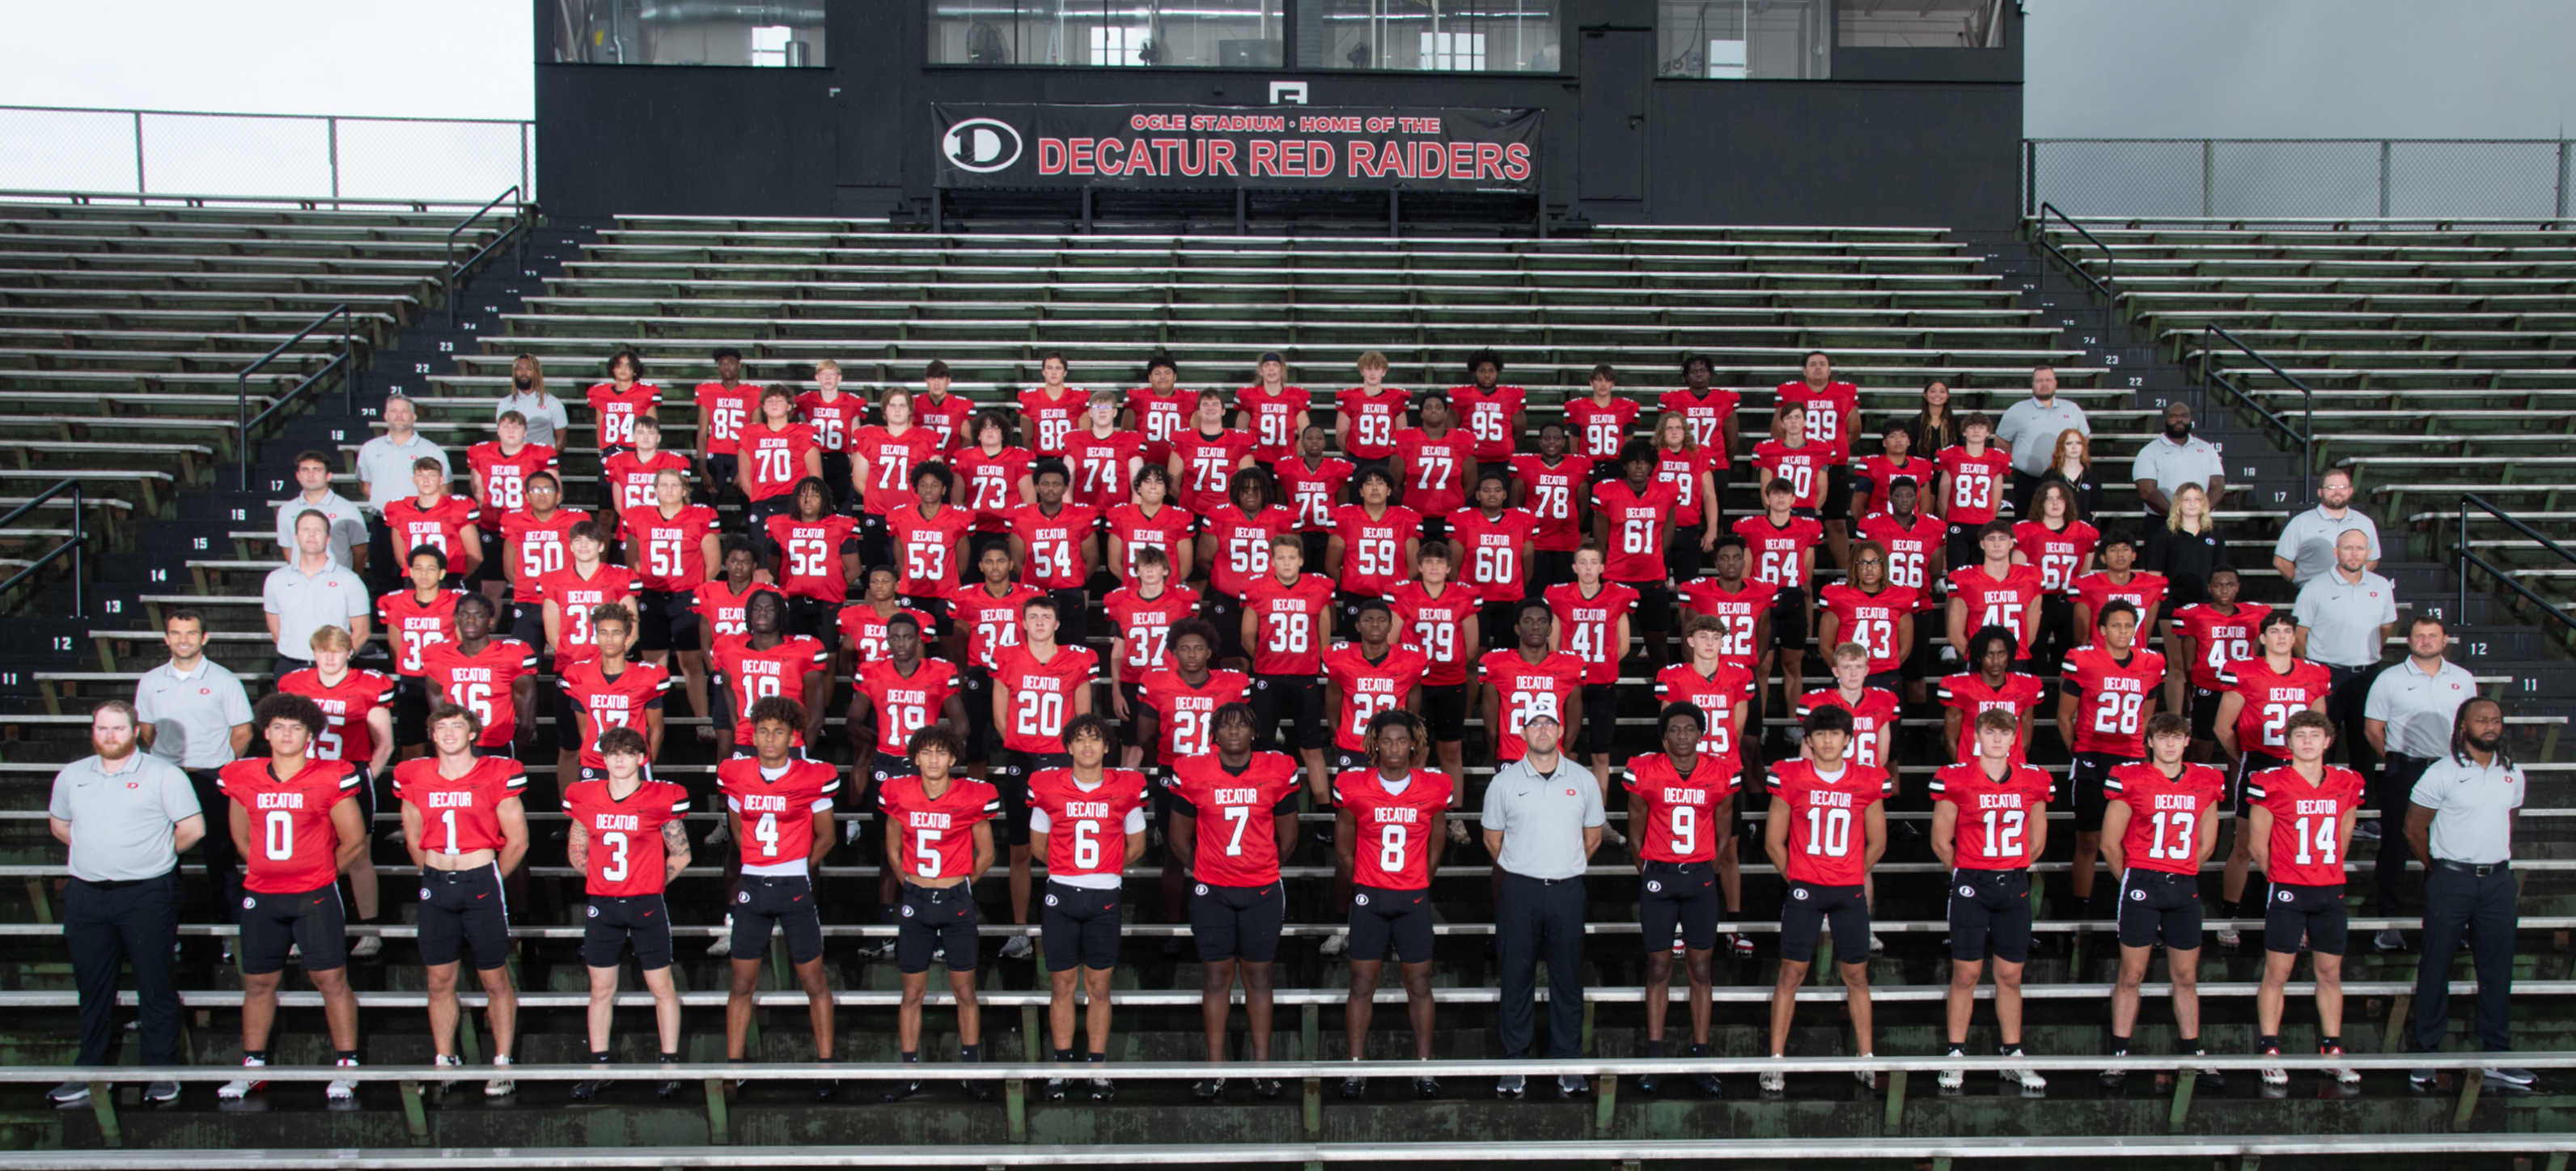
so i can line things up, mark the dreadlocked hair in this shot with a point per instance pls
(2460, 731)
(1396, 717)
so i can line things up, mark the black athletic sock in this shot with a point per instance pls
(970, 1053)
(2119, 1046)
(2190, 1045)
(2228, 910)
(258, 1055)
(602, 1058)
(1654, 1048)
(1064, 1054)
(2325, 1043)
(2012, 1050)
(2266, 1043)
(1097, 1058)
(344, 1055)
(667, 1058)
(1958, 1050)
(912, 1057)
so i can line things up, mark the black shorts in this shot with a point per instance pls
(818, 619)
(1678, 895)
(411, 710)
(1444, 708)
(977, 693)
(1293, 704)
(936, 918)
(1682, 557)
(1989, 911)
(2204, 713)
(937, 611)
(1838, 493)
(462, 909)
(1921, 661)
(612, 922)
(1238, 922)
(2084, 779)
(1549, 567)
(1600, 718)
(1494, 624)
(1226, 614)
(885, 766)
(1789, 619)
(1383, 919)
(313, 921)
(1011, 774)
(721, 470)
(666, 620)
(785, 902)
(836, 474)
(1346, 759)
(506, 751)
(1079, 926)
(567, 727)
(528, 622)
(2315, 913)
(2158, 906)
(2252, 761)
(1654, 608)
(756, 514)
(1810, 907)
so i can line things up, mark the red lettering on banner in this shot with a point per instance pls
(1078, 161)
(1163, 148)
(1193, 156)
(1516, 161)
(1109, 165)
(1050, 156)
(1265, 156)
(1362, 153)
(1319, 158)
(1430, 160)
(1391, 157)
(1489, 160)
(1462, 160)
(1220, 157)
(1292, 157)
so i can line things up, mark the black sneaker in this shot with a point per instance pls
(1103, 1089)
(1652, 1083)
(1208, 1089)
(826, 1089)
(1355, 1088)
(978, 1090)
(898, 1091)
(1055, 1089)
(2113, 1079)
(1265, 1087)
(2212, 1079)
(584, 1091)
(1707, 1082)
(1426, 1088)
(667, 1090)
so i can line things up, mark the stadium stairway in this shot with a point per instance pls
(1896, 306)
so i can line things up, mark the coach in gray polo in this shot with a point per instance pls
(2029, 429)
(2307, 545)
(2344, 617)
(126, 817)
(1542, 820)
(384, 476)
(310, 593)
(195, 715)
(2407, 717)
(2174, 459)
(2462, 821)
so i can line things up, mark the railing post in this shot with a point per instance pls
(2383, 178)
(241, 425)
(2029, 176)
(2208, 171)
(139, 188)
(80, 537)
(2562, 179)
(2461, 535)
(332, 127)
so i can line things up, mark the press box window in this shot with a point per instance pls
(1201, 33)
(1735, 40)
(1920, 24)
(1466, 36)
(689, 32)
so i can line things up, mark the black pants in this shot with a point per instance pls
(2023, 485)
(2395, 790)
(1538, 918)
(383, 574)
(2343, 706)
(2456, 899)
(107, 925)
(223, 865)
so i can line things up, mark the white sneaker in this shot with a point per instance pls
(2275, 1077)
(1457, 832)
(2027, 1079)
(1337, 943)
(2342, 1074)
(1954, 1079)
(444, 1060)
(1867, 1077)
(500, 1087)
(2229, 937)
(343, 1089)
(1018, 948)
(366, 947)
(723, 946)
(723, 834)
(240, 1088)
(1774, 1081)
(1876, 945)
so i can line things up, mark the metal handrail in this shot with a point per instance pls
(2101, 285)
(73, 546)
(2307, 438)
(447, 279)
(2468, 558)
(348, 389)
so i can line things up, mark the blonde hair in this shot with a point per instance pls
(827, 364)
(1372, 360)
(1851, 651)
(1690, 443)
(2057, 455)
(2173, 515)
(330, 638)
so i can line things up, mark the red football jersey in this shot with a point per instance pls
(1189, 713)
(1312, 492)
(1909, 550)
(891, 458)
(1207, 462)
(617, 410)
(626, 856)
(1436, 627)
(2057, 553)
(414, 626)
(481, 683)
(809, 555)
(721, 608)
(539, 547)
(1238, 843)
(1596, 428)
(459, 815)
(2308, 822)
(2144, 590)
(1560, 497)
(344, 711)
(1487, 415)
(1803, 466)
(2219, 639)
(752, 674)
(1876, 711)
(1431, 474)
(990, 484)
(777, 813)
(1273, 421)
(1711, 415)
(627, 481)
(1881, 473)
(1042, 694)
(1682, 470)
(1145, 624)
(2005, 603)
(1742, 612)
(1086, 829)
(668, 553)
(1054, 555)
(291, 820)
(1870, 620)
(905, 705)
(505, 478)
(1588, 627)
(834, 420)
(1291, 623)
(1833, 413)
(1970, 694)
(1099, 467)
(2271, 698)
(1828, 837)
(1394, 829)
(1637, 522)
(1720, 695)
(723, 411)
(774, 459)
(1369, 688)
(928, 550)
(945, 417)
(2165, 813)
(576, 597)
(1161, 416)
(991, 624)
(1772, 551)
(1526, 689)
(1168, 529)
(1375, 418)
(1994, 815)
(863, 630)
(1242, 551)
(1051, 419)
(612, 703)
(2112, 697)
(1486, 551)
(440, 526)
(1673, 816)
(1373, 549)
(1977, 484)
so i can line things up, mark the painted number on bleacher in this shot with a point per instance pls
(62, 642)
(159, 575)
(238, 514)
(2137, 380)
(2527, 684)
(9, 678)
(420, 367)
(447, 347)
(2477, 648)
(199, 543)
(113, 605)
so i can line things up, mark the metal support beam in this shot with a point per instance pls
(719, 1131)
(1314, 1102)
(1605, 1105)
(2384, 150)
(1894, 1124)
(1015, 1107)
(2469, 1087)
(415, 1119)
(2398, 1010)
(102, 1102)
(2184, 1080)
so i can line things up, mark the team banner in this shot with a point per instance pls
(1175, 146)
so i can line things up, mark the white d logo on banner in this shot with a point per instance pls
(981, 145)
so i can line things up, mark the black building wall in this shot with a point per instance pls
(1900, 137)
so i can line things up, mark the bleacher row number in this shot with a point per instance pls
(420, 367)
(158, 575)
(339, 435)
(8, 678)
(2110, 359)
(197, 543)
(2529, 685)
(62, 642)
(446, 348)
(2090, 341)
(2248, 473)
(2280, 498)
(243, 514)
(112, 606)
(2477, 649)
(276, 486)
(2137, 380)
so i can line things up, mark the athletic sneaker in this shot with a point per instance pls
(68, 1093)
(343, 1089)
(1707, 1082)
(503, 1086)
(366, 947)
(1355, 1088)
(1774, 1081)
(1510, 1085)
(2230, 938)
(443, 1060)
(1867, 1077)
(898, 1091)
(1426, 1088)
(667, 1090)
(2510, 1075)
(2343, 1074)
(1876, 945)
(161, 1092)
(1103, 1089)
(1017, 948)
(722, 834)
(1265, 1087)
(1741, 944)
(1954, 1079)
(1650, 1083)
(1572, 1085)
(1208, 1089)
(826, 1089)
(240, 1088)
(2275, 1077)
(589, 1088)
(2112, 1079)
(2389, 939)
(1337, 943)
(2028, 1079)
(1055, 1089)
(723, 946)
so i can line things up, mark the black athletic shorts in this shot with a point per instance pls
(977, 692)
(1382, 919)
(411, 709)
(1011, 774)
(666, 620)
(2084, 779)
(1444, 708)
(1548, 567)
(818, 619)
(1921, 661)
(1238, 922)
(563, 708)
(1838, 493)
(461, 909)
(1810, 907)
(1654, 609)
(612, 922)
(1600, 719)
(1293, 704)
(1494, 624)
(1789, 620)
(1959, 543)
(527, 621)
(1682, 557)
(1346, 759)
(936, 918)
(721, 470)
(1989, 911)
(2253, 761)
(2159, 906)
(313, 921)
(1679, 895)
(1226, 614)
(2313, 912)
(2204, 713)
(785, 902)
(936, 608)
(1079, 926)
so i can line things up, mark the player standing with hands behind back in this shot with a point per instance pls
(1828, 827)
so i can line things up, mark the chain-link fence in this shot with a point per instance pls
(268, 156)
(2299, 178)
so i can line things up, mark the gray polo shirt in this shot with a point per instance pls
(121, 820)
(1542, 817)
(348, 522)
(2472, 809)
(2343, 617)
(2032, 430)
(2418, 707)
(2171, 465)
(546, 417)
(306, 602)
(384, 466)
(193, 714)
(2308, 540)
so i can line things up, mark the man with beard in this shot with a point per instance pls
(2460, 820)
(2173, 459)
